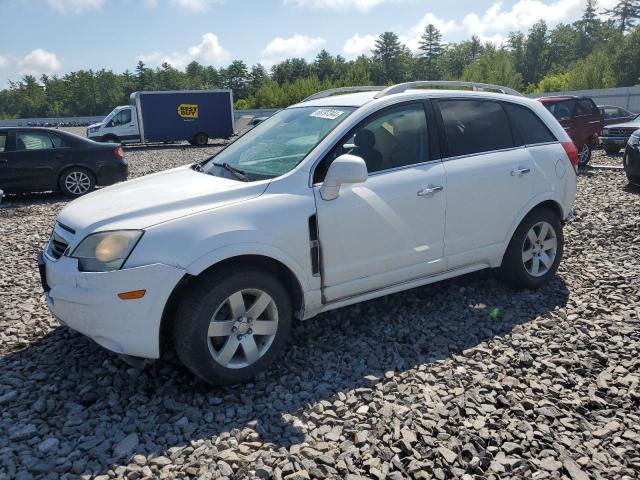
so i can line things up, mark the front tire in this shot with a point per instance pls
(76, 181)
(535, 250)
(633, 179)
(232, 325)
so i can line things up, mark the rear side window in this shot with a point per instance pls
(528, 126)
(475, 126)
(3, 141)
(57, 141)
(561, 110)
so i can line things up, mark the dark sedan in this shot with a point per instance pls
(613, 114)
(43, 159)
(631, 161)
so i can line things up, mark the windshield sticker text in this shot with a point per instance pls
(327, 113)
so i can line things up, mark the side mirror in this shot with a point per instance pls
(344, 169)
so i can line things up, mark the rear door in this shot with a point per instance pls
(563, 111)
(31, 161)
(490, 178)
(587, 120)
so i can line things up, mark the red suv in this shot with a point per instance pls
(582, 120)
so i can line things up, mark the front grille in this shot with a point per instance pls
(57, 245)
(621, 132)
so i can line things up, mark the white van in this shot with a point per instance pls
(333, 201)
(120, 126)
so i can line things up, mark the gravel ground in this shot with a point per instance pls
(422, 384)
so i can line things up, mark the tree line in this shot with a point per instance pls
(600, 50)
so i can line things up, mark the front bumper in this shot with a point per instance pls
(614, 141)
(88, 303)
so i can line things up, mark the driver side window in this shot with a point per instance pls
(394, 138)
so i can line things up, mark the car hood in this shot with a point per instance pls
(93, 125)
(633, 124)
(153, 199)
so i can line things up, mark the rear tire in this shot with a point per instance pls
(612, 150)
(584, 155)
(535, 250)
(76, 181)
(200, 139)
(215, 332)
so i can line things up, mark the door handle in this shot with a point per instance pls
(60, 155)
(518, 172)
(430, 190)
(595, 121)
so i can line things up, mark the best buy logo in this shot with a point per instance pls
(187, 110)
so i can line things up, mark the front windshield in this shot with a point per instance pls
(277, 145)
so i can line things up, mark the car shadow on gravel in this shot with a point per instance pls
(66, 388)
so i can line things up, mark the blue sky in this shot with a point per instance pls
(58, 36)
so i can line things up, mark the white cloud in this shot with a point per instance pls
(75, 6)
(208, 51)
(358, 45)
(39, 61)
(496, 22)
(362, 5)
(192, 5)
(297, 46)
(4, 62)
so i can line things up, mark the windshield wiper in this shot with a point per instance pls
(239, 174)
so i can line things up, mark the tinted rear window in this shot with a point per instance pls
(475, 126)
(561, 110)
(528, 126)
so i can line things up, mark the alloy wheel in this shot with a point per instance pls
(243, 328)
(583, 154)
(77, 182)
(540, 249)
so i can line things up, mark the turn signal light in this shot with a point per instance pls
(133, 295)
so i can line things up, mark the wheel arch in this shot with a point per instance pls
(70, 166)
(266, 263)
(539, 202)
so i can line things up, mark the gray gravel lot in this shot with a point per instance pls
(422, 384)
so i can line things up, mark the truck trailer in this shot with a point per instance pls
(169, 116)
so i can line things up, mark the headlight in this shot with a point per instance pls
(634, 140)
(105, 251)
(605, 132)
(94, 129)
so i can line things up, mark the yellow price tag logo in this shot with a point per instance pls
(187, 110)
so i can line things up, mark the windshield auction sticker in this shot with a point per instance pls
(327, 113)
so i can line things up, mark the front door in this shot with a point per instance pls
(389, 229)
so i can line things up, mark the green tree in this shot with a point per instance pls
(494, 66)
(625, 13)
(431, 48)
(391, 57)
(536, 53)
(236, 78)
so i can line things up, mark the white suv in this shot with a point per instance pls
(339, 199)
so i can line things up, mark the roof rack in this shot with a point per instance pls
(334, 91)
(477, 87)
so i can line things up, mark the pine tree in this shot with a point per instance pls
(625, 13)
(390, 56)
(430, 50)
